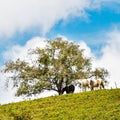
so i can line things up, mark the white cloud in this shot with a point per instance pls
(7, 95)
(20, 15)
(102, 3)
(21, 52)
(87, 50)
(111, 58)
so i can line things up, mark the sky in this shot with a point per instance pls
(94, 24)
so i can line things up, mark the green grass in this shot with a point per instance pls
(93, 105)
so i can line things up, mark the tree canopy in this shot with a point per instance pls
(55, 66)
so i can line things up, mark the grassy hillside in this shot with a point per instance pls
(93, 105)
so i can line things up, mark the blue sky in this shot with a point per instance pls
(92, 22)
(90, 30)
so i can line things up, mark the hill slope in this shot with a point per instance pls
(93, 105)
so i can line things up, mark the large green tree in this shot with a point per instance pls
(57, 65)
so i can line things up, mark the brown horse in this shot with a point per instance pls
(97, 83)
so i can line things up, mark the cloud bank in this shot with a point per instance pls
(19, 16)
(24, 14)
(21, 52)
(110, 58)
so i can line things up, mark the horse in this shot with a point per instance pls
(97, 83)
(84, 84)
(68, 89)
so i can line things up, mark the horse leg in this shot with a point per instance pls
(92, 88)
(85, 89)
(102, 85)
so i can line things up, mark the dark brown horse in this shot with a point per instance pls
(68, 89)
(97, 83)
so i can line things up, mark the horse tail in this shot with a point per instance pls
(102, 84)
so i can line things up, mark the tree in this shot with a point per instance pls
(100, 73)
(54, 67)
